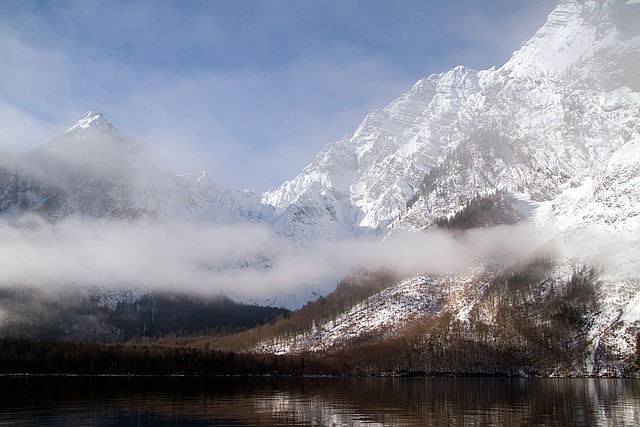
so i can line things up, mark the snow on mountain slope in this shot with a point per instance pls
(548, 120)
(392, 311)
(95, 171)
(557, 126)
(362, 182)
(541, 128)
(578, 32)
(411, 299)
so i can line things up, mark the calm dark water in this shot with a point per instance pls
(180, 401)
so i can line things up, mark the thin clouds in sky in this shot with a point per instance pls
(248, 91)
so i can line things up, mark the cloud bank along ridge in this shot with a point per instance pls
(243, 260)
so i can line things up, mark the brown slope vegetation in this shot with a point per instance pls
(528, 319)
(525, 323)
(350, 291)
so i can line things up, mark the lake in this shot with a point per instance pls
(273, 401)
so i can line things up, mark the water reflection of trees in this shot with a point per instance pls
(479, 401)
(333, 401)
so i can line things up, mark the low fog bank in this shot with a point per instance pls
(617, 255)
(242, 260)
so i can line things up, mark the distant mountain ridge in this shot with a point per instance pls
(555, 131)
(562, 113)
(92, 170)
(558, 115)
(556, 128)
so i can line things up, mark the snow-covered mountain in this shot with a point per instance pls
(363, 182)
(92, 170)
(561, 114)
(557, 128)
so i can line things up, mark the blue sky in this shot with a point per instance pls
(248, 90)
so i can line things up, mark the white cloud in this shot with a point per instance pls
(21, 131)
(209, 258)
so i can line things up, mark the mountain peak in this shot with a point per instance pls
(89, 133)
(94, 121)
(577, 32)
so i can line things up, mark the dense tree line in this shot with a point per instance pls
(491, 210)
(20, 355)
(524, 322)
(84, 317)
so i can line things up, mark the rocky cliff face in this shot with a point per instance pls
(363, 182)
(561, 114)
(556, 127)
